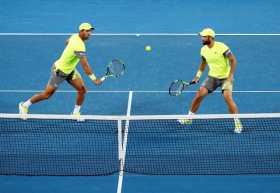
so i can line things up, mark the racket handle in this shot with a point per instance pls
(103, 78)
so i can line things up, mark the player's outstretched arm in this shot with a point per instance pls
(88, 70)
(232, 62)
(200, 70)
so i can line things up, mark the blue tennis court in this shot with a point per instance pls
(32, 37)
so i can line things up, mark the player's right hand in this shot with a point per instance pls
(97, 82)
(196, 80)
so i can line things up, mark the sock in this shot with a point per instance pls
(77, 109)
(191, 113)
(27, 103)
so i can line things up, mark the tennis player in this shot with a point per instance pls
(221, 62)
(65, 69)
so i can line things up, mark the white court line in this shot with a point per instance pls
(121, 174)
(142, 117)
(64, 91)
(137, 34)
(135, 91)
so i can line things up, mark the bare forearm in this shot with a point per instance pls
(232, 67)
(87, 69)
(200, 70)
(85, 65)
(232, 62)
(202, 67)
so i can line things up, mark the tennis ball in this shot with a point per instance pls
(148, 48)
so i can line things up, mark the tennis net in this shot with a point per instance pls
(150, 145)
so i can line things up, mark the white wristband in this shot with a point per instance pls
(92, 77)
(198, 74)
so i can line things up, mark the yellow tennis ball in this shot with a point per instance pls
(148, 48)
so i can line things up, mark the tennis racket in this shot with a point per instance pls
(177, 86)
(115, 68)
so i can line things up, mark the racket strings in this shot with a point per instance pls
(116, 68)
(176, 88)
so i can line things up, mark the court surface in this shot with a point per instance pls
(171, 26)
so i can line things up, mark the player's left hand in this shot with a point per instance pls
(196, 80)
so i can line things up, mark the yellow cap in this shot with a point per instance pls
(86, 26)
(208, 32)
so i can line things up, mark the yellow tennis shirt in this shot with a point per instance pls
(218, 63)
(71, 55)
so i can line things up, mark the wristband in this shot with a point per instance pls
(198, 74)
(92, 77)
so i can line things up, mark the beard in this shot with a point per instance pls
(206, 42)
(86, 38)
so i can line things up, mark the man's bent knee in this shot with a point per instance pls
(47, 95)
(82, 90)
(48, 92)
(201, 93)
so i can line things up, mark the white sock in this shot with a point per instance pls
(191, 113)
(27, 103)
(77, 109)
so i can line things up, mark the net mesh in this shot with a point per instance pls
(204, 147)
(58, 147)
(155, 146)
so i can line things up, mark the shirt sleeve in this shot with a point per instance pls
(227, 52)
(80, 54)
(79, 49)
(201, 52)
(225, 49)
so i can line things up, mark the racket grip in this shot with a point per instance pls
(103, 78)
